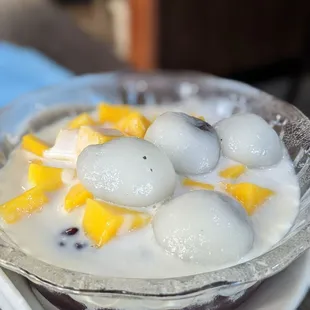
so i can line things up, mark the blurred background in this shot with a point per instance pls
(263, 42)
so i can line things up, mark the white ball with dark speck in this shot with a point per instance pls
(127, 171)
(205, 227)
(248, 139)
(191, 144)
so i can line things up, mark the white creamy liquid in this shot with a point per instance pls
(137, 255)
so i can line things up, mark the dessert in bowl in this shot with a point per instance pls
(185, 201)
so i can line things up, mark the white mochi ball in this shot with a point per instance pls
(191, 144)
(127, 171)
(204, 227)
(248, 139)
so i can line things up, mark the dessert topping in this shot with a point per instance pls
(76, 197)
(34, 145)
(81, 120)
(232, 172)
(23, 205)
(113, 113)
(103, 221)
(192, 183)
(250, 195)
(134, 124)
(48, 178)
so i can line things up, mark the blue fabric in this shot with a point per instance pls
(23, 70)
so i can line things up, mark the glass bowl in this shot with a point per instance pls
(222, 289)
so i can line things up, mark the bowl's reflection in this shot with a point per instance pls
(66, 302)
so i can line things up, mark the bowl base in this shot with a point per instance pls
(58, 301)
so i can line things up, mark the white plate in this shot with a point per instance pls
(285, 291)
(282, 292)
(15, 293)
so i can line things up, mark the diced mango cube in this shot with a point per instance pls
(250, 195)
(89, 136)
(81, 120)
(232, 172)
(134, 124)
(34, 145)
(103, 221)
(35, 161)
(199, 117)
(192, 183)
(113, 113)
(76, 197)
(139, 220)
(48, 178)
(23, 205)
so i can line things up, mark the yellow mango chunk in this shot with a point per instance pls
(81, 120)
(76, 197)
(192, 183)
(48, 178)
(113, 113)
(232, 172)
(103, 221)
(34, 145)
(251, 196)
(199, 117)
(134, 124)
(89, 136)
(23, 205)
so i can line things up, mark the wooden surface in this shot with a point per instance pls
(144, 29)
